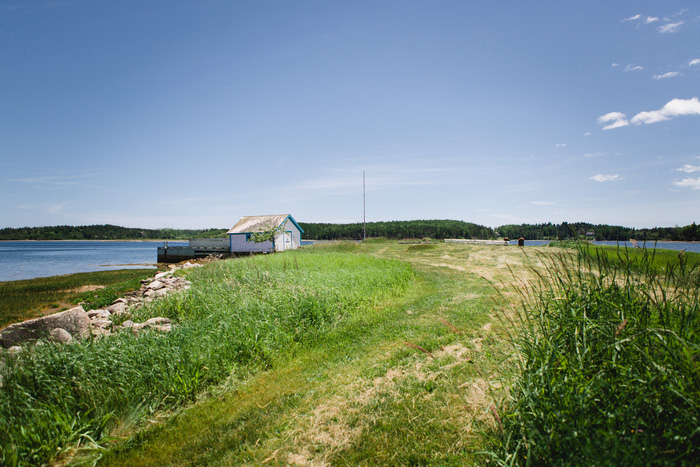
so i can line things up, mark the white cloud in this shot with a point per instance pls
(561, 145)
(651, 19)
(602, 178)
(670, 27)
(695, 61)
(588, 133)
(592, 154)
(633, 18)
(692, 183)
(670, 74)
(615, 65)
(542, 203)
(632, 67)
(674, 108)
(687, 168)
(617, 118)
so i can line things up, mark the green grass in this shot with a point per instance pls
(25, 299)
(608, 369)
(238, 318)
(403, 380)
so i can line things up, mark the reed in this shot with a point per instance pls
(608, 343)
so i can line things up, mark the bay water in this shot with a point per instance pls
(30, 259)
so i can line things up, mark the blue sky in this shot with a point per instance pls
(192, 114)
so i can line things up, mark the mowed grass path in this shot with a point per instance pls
(409, 381)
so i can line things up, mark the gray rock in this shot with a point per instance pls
(155, 285)
(75, 321)
(92, 314)
(61, 336)
(121, 300)
(102, 323)
(117, 308)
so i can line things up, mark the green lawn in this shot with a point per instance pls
(25, 299)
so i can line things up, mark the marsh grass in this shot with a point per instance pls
(237, 318)
(25, 299)
(608, 345)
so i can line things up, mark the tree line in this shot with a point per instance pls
(568, 231)
(416, 229)
(436, 229)
(105, 232)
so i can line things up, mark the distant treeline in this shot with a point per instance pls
(565, 231)
(437, 229)
(105, 232)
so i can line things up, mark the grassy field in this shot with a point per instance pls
(25, 299)
(377, 354)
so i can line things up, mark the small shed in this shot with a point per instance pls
(287, 234)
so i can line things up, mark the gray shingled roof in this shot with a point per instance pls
(252, 224)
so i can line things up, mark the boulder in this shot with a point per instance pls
(162, 275)
(92, 314)
(155, 285)
(60, 335)
(158, 324)
(117, 308)
(102, 323)
(75, 321)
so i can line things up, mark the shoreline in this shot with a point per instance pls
(133, 240)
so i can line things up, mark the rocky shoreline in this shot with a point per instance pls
(78, 324)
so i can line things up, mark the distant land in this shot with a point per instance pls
(415, 229)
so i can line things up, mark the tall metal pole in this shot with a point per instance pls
(364, 209)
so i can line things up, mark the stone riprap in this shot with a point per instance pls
(76, 324)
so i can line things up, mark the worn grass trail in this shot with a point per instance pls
(409, 380)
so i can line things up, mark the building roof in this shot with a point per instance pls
(252, 224)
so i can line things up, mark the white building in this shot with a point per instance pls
(287, 237)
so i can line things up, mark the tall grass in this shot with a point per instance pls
(236, 319)
(608, 348)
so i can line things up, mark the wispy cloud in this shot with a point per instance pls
(687, 168)
(55, 180)
(692, 183)
(632, 18)
(693, 62)
(51, 208)
(592, 154)
(542, 203)
(651, 19)
(603, 178)
(674, 108)
(561, 145)
(588, 133)
(633, 67)
(670, 27)
(670, 74)
(613, 119)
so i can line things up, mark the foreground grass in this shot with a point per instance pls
(239, 317)
(26, 299)
(405, 381)
(608, 344)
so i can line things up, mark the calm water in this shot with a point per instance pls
(26, 260)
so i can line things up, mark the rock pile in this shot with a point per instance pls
(76, 323)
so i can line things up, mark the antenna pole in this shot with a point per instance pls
(364, 209)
